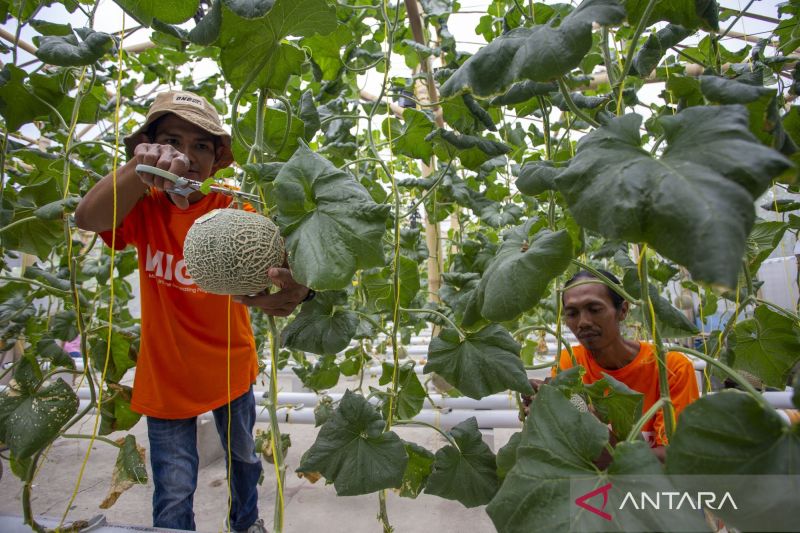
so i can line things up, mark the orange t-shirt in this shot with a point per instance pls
(182, 366)
(641, 375)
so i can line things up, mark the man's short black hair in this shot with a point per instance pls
(616, 299)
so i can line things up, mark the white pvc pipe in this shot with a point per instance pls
(309, 399)
(444, 419)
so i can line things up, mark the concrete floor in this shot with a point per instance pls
(309, 507)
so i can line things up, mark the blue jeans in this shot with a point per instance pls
(173, 458)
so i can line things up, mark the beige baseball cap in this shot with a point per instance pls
(194, 109)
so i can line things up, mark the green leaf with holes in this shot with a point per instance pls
(518, 276)
(167, 11)
(331, 224)
(322, 326)
(115, 410)
(767, 345)
(466, 473)
(479, 364)
(694, 204)
(129, 470)
(253, 48)
(353, 451)
(30, 420)
(539, 53)
(418, 469)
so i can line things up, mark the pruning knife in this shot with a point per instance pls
(184, 187)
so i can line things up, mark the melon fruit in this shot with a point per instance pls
(579, 403)
(228, 251)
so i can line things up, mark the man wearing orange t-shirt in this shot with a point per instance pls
(183, 358)
(594, 312)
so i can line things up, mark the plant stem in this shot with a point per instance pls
(373, 322)
(89, 437)
(437, 313)
(626, 68)
(18, 222)
(636, 430)
(36, 283)
(607, 56)
(572, 106)
(607, 282)
(661, 354)
(727, 370)
(272, 408)
(546, 329)
(447, 436)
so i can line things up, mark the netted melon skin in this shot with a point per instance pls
(228, 251)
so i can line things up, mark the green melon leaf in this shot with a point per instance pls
(694, 205)
(249, 9)
(690, 14)
(418, 469)
(323, 375)
(55, 210)
(671, 320)
(128, 471)
(537, 177)
(731, 434)
(206, 32)
(480, 364)
(380, 288)
(616, 404)
(764, 238)
(524, 91)
(657, 44)
(309, 115)
(471, 150)
(254, 45)
(558, 444)
(326, 51)
(18, 104)
(322, 326)
(540, 53)
(761, 103)
(507, 455)
(468, 473)
(331, 224)
(410, 395)
(68, 52)
(121, 357)
(354, 452)
(518, 276)
(29, 421)
(409, 137)
(167, 11)
(767, 345)
(115, 410)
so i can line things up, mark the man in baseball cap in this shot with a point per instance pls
(189, 362)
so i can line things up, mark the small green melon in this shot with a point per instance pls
(579, 403)
(228, 251)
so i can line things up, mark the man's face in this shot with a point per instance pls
(192, 141)
(591, 316)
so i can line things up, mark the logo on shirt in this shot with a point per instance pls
(163, 267)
